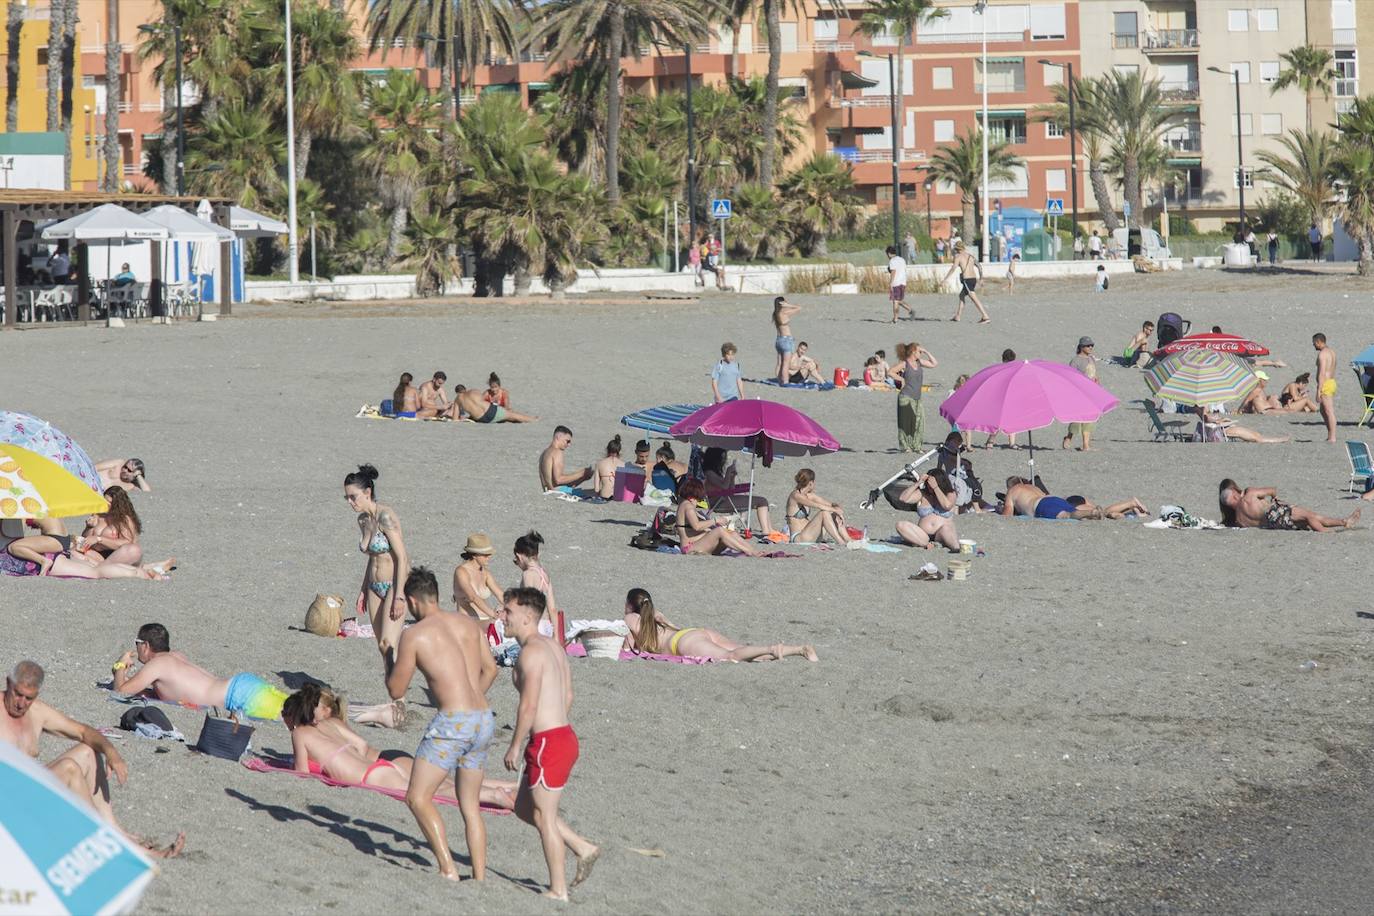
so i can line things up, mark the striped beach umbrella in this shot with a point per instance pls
(32, 486)
(1200, 376)
(56, 854)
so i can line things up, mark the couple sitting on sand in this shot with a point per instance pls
(108, 547)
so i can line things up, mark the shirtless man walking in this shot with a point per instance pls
(551, 473)
(433, 401)
(544, 681)
(85, 768)
(1326, 383)
(1260, 507)
(966, 265)
(451, 652)
(171, 676)
(783, 342)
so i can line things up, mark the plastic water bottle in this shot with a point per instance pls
(865, 534)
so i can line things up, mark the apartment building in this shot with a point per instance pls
(1340, 27)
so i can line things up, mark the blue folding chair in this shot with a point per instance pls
(1361, 464)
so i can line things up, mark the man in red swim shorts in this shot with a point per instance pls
(544, 681)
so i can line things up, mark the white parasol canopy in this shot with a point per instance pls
(250, 224)
(107, 222)
(184, 227)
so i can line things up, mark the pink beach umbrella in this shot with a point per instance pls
(1026, 395)
(767, 428)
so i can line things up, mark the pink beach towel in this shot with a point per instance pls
(627, 655)
(258, 765)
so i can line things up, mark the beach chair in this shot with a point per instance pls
(1366, 384)
(1361, 464)
(1162, 430)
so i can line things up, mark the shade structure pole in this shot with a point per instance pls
(749, 511)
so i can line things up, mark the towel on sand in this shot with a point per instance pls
(144, 700)
(574, 495)
(259, 765)
(626, 655)
(809, 386)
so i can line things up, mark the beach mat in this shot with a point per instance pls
(807, 386)
(260, 765)
(627, 655)
(145, 700)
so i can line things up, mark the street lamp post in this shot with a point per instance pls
(1240, 147)
(896, 147)
(1073, 143)
(981, 8)
(452, 58)
(928, 186)
(292, 242)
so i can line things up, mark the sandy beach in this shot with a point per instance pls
(1078, 726)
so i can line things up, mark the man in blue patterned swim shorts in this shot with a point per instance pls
(449, 649)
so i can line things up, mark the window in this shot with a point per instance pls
(1126, 69)
(1271, 124)
(1016, 186)
(1342, 22)
(1249, 175)
(825, 29)
(1241, 71)
(1004, 74)
(1007, 128)
(876, 70)
(1269, 71)
(1054, 74)
(887, 38)
(1047, 21)
(1247, 125)
(945, 187)
(942, 78)
(1055, 180)
(789, 37)
(1238, 20)
(792, 87)
(1053, 131)
(944, 131)
(1125, 33)
(1267, 20)
(1346, 82)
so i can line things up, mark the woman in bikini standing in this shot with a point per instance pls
(388, 564)
(473, 584)
(966, 265)
(652, 634)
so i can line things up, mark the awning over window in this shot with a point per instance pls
(1194, 161)
(1006, 113)
(851, 80)
(1005, 60)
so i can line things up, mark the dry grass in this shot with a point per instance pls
(816, 279)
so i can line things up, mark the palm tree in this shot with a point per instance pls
(113, 94)
(961, 164)
(574, 111)
(433, 242)
(327, 94)
(608, 29)
(1353, 172)
(733, 13)
(758, 221)
(400, 140)
(1304, 168)
(56, 34)
(819, 201)
(14, 27)
(901, 16)
(246, 150)
(1135, 119)
(470, 30)
(1091, 124)
(70, 12)
(1310, 70)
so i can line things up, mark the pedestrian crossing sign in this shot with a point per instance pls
(720, 208)
(1054, 206)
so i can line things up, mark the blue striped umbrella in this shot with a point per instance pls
(659, 419)
(1200, 376)
(56, 854)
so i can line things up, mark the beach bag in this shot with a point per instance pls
(224, 738)
(325, 615)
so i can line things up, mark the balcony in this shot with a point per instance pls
(863, 101)
(966, 37)
(1179, 90)
(1184, 143)
(1164, 41)
(855, 155)
(1125, 40)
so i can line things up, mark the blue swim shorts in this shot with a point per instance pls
(1050, 506)
(458, 740)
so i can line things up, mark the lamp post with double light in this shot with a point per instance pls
(1073, 141)
(1240, 146)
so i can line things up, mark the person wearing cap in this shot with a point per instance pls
(1259, 400)
(474, 587)
(1086, 363)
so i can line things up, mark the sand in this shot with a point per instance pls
(1071, 728)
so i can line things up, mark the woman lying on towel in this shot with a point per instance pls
(652, 634)
(323, 744)
(697, 532)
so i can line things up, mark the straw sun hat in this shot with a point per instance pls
(478, 545)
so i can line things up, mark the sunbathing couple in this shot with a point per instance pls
(1293, 398)
(428, 402)
(108, 547)
(84, 768)
(1024, 498)
(1260, 507)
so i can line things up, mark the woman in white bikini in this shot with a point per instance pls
(323, 744)
(652, 634)
(473, 584)
(532, 575)
(388, 564)
(809, 515)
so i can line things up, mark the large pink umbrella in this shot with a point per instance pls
(767, 428)
(1026, 395)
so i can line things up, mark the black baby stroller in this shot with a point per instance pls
(1170, 328)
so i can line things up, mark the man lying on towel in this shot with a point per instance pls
(1025, 498)
(170, 676)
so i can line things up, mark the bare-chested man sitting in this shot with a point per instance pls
(1025, 498)
(551, 473)
(1260, 507)
(544, 680)
(451, 652)
(170, 676)
(125, 473)
(433, 402)
(82, 768)
(469, 403)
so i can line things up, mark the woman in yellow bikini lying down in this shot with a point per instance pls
(664, 638)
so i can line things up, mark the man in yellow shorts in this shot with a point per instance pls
(1326, 383)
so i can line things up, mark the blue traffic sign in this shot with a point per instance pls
(720, 208)
(1054, 205)
(1126, 209)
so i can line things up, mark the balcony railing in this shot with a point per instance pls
(1179, 90)
(1169, 39)
(150, 106)
(826, 47)
(1015, 86)
(863, 101)
(525, 57)
(850, 154)
(1184, 143)
(1125, 40)
(966, 37)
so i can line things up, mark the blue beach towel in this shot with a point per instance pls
(809, 386)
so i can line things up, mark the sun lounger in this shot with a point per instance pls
(1162, 430)
(1361, 464)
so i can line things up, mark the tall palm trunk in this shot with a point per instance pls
(14, 26)
(113, 95)
(967, 202)
(901, 99)
(1130, 184)
(735, 23)
(54, 72)
(615, 44)
(396, 233)
(770, 101)
(1102, 194)
(1365, 268)
(305, 139)
(70, 11)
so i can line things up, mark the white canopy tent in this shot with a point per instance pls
(203, 240)
(250, 224)
(107, 223)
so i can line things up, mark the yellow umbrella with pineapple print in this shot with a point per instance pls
(32, 486)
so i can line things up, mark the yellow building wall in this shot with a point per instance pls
(33, 101)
